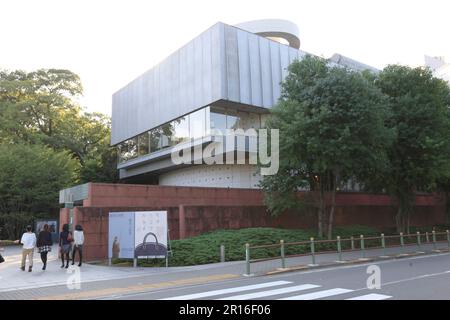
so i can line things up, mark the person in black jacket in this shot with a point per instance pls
(1, 257)
(65, 243)
(44, 244)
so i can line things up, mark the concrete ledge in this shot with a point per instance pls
(402, 255)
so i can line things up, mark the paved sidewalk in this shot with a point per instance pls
(13, 279)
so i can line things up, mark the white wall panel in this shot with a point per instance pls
(216, 176)
(266, 72)
(276, 71)
(207, 66)
(232, 67)
(244, 67)
(255, 69)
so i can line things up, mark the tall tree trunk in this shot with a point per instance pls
(319, 223)
(331, 214)
(398, 219)
(321, 213)
(407, 222)
(406, 203)
(402, 212)
(447, 207)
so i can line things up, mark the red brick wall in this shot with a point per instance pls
(200, 219)
(129, 195)
(192, 211)
(383, 216)
(64, 217)
(95, 225)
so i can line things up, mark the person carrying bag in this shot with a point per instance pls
(65, 240)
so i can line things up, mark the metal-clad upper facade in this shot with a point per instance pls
(222, 63)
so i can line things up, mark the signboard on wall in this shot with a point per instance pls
(52, 228)
(121, 235)
(140, 234)
(151, 234)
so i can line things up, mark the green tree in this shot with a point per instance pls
(32, 175)
(331, 123)
(87, 137)
(31, 103)
(41, 107)
(419, 157)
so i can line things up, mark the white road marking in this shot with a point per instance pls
(371, 296)
(319, 294)
(229, 290)
(268, 293)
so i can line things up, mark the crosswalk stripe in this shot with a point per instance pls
(318, 294)
(229, 290)
(371, 296)
(274, 292)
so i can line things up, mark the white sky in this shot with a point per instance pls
(109, 43)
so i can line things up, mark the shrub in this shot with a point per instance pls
(204, 248)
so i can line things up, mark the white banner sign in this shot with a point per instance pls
(150, 234)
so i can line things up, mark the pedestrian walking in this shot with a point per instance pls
(28, 242)
(1, 249)
(1, 257)
(78, 237)
(44, 244)
(65, 243)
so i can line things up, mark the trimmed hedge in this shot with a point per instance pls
(204, 248)
(4, 243)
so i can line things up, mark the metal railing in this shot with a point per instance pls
(339, 246)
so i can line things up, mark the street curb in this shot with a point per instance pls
(353, 262)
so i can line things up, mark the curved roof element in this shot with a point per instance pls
(274, 28)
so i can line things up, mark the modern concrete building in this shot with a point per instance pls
(440, 68)
(226, 78)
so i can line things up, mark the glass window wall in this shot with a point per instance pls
(197, 124)
(218, 119)
(192, 126)
(179, 130)
(232, 120)
(143, 144)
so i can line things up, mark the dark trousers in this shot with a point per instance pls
(80, 252)
(44, 257)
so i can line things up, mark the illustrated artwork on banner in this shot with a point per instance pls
(121, 235)
(150, 234)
